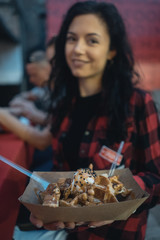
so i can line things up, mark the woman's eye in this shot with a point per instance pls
(93, 41)
(70, 39)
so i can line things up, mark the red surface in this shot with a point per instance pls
(142, 20)
(12, 182)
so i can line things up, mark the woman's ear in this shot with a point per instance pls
(112, 54)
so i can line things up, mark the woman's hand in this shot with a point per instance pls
(28, 109)
(69, 225)
(38, 72)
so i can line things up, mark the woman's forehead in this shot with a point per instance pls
(88, 22)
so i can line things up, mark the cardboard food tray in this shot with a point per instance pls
(109, 211)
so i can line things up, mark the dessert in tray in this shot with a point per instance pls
(86, 188)
(84, 196)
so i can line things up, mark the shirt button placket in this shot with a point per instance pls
(86, 133)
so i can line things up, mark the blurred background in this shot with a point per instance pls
(22, 30)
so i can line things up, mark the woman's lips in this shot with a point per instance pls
(79, 63)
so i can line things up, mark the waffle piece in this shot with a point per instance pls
(73, 202)
(64, 183)
(51, 195)
(104, 188)
(99, 192)
(119, 188)
(105, 193)
(65, 187)
(109, 196)
(102, 180)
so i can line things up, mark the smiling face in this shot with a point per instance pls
(87, 47)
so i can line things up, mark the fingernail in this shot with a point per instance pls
(91, 226)
(38, 225)
(60, 227)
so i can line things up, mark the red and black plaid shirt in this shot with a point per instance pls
(141, 153)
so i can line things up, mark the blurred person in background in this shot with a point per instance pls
(27, 115)
(27, 105)
(33, 104)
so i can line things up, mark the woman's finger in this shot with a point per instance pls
(37, 222)
(99, 224)
(70, 225)
(54, 226)
(79, 223)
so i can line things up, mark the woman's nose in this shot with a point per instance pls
(79, 47)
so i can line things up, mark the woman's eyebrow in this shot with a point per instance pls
(71, 33)
(89, 34)
(93, 34)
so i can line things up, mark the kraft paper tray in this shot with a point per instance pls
(109, 211)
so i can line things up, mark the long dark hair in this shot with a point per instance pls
(117, 82)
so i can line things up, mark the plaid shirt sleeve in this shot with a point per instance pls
(148, 148)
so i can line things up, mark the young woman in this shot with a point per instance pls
(95, 103)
